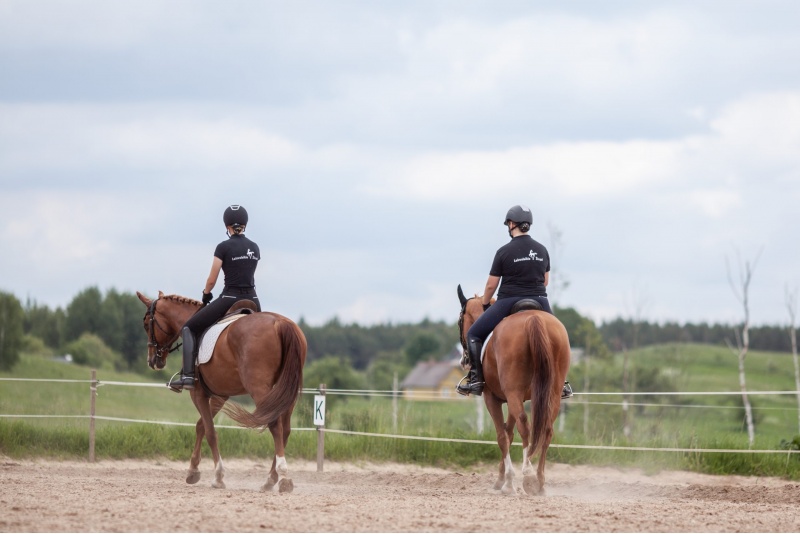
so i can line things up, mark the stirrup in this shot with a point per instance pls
(566, 391)
(184, 382)
(472, 388)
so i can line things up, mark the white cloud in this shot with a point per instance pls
(715, 203)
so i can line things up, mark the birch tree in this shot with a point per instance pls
(791, 307)
(741, 290)
(558, 281)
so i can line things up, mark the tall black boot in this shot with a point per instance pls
(190, 348)
(475, 381)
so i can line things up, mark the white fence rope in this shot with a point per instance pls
(384, 393)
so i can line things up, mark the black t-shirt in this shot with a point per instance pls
(521, 264)
(239, 258)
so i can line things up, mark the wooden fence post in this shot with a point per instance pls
(93, 391)
(395, 388)
(320, 430)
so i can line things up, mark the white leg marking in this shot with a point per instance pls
(508, 487)
(219, 473)
(281, 467)
(527, 466)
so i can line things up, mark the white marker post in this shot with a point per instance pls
(319, 422)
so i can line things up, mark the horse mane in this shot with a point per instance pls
(183, 300)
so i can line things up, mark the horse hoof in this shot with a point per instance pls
(498, 485)
(193, 477)
(508, 489)
(218, 484)
(285, 486)
(269, 484)
(531, 486)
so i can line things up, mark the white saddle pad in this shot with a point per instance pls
(209, 340)
(486, 344)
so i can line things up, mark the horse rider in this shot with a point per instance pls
(523, 265)
(237, 257)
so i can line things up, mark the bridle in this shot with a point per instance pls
(161, 350)
(461, 325)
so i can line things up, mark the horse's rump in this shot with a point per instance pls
(286, 389)
(528, 348)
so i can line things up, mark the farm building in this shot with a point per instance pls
(434, 378)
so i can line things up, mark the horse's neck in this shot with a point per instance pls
(178, 314)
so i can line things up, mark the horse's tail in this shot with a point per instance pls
(284, 393)
(544, 370)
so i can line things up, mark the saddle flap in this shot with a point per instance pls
(210, 336)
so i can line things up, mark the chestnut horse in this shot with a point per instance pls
(526, 358)
(261, 354)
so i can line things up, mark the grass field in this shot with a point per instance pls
(684, 421)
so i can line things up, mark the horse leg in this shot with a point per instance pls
(536, 486)
(516, 417)
(279, 472)
(539, 490)
(193, 476)
(548, 437)
(204, 406)
(495, 408)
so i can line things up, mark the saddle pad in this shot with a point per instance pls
(212, 334)
(486, 344)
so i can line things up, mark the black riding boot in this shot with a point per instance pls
(186, 381)
(475, 382)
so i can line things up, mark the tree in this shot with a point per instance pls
(333, 371)
(84, 314)
(121, 326)
(742, 292)
(44, 323)
(383, 368)
(91, 351)
(421, 346)
(558, 281)
(791, 307)
(11, 331)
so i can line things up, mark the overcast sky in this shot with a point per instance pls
(378, 145)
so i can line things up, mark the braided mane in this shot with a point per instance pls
(183, 300)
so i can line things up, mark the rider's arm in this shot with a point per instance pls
(491, 287)
(216, 266)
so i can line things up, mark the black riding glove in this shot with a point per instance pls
(207, 298)
(486, 306)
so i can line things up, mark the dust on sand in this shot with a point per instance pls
(152, 496)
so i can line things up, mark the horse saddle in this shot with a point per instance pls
(210, 336)
(525, 305)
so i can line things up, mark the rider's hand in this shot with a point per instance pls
(207, 297)
(486, 306)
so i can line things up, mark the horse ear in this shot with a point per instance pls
(461, 296)
(144, 299)
(160, 294)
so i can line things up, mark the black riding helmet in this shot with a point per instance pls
(235, 215)
(519, 214)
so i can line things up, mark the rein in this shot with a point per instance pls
(167, 348)
(461, 325)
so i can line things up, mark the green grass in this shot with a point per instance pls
(692, 367)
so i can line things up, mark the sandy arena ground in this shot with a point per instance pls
(151, 496)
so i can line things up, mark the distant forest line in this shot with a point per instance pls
(112, 321)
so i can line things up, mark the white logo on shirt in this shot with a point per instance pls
(532, 256)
